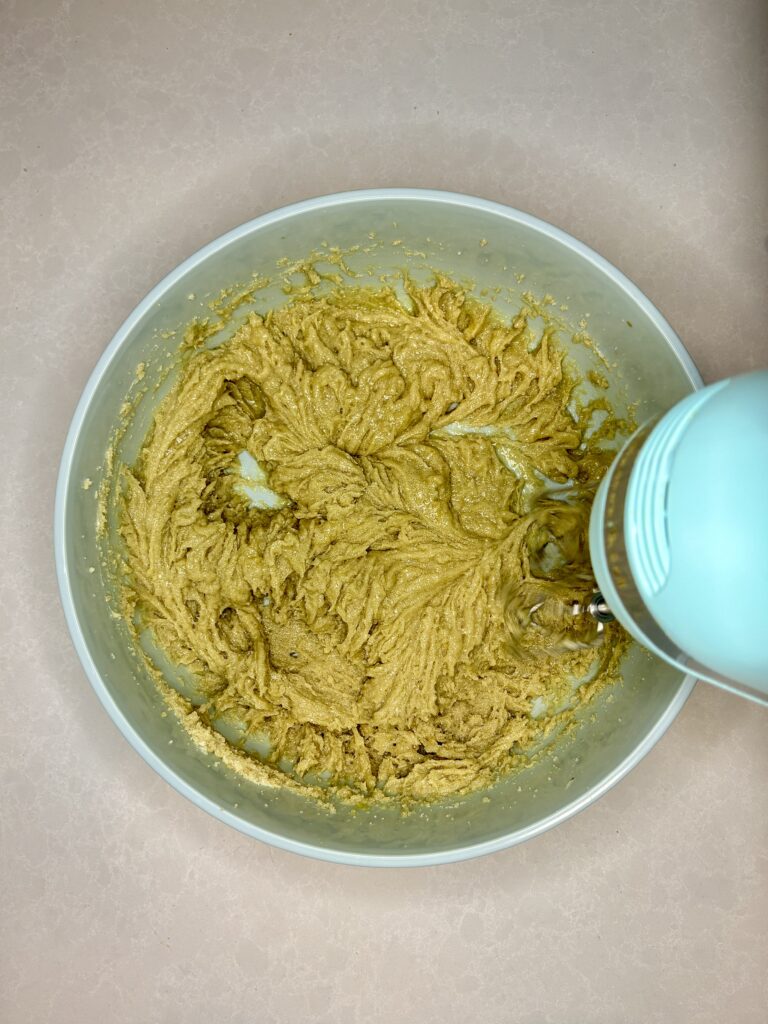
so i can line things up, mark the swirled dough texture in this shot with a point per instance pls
(421, 451)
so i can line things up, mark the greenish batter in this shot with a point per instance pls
(369, 621)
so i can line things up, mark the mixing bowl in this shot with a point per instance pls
(471, 239)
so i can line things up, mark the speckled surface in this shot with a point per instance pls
(130, 134)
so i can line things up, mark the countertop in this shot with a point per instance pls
(130, 135)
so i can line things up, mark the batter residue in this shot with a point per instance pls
(424, 483)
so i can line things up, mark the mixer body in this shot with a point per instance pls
(679, 535)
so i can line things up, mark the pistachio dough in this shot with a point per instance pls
(355, 521)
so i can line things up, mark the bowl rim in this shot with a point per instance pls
(460, 852)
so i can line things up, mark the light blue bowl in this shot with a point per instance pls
(471, 239)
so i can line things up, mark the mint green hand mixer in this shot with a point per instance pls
(678, 536)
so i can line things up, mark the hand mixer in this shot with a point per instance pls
(678, 536)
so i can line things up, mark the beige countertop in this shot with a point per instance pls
(130, 135)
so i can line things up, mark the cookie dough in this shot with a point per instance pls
(356, 522)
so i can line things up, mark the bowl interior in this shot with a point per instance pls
(471, 240)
